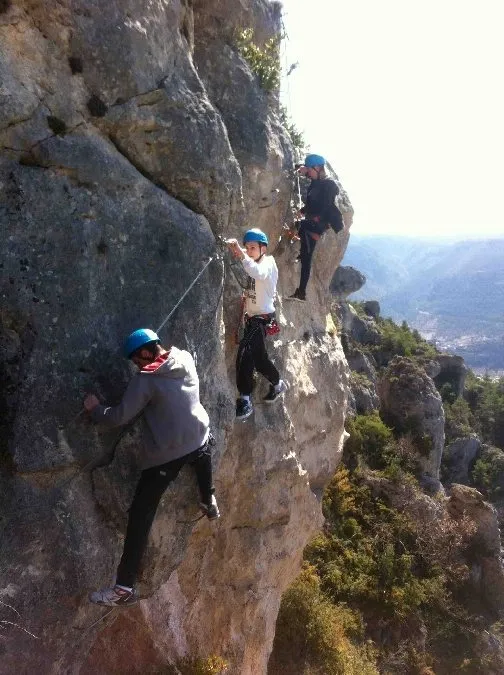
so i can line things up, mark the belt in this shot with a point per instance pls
(263, 317)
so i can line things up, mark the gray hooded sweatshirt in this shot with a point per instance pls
(168, 392)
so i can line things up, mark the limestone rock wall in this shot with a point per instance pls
(132, 135)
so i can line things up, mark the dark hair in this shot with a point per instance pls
(151, 347)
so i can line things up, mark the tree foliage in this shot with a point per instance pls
(402, 341)
(459, 420)
(296, 136)
(488, 474)
(263, 61)
(317, 637)
(485, 398)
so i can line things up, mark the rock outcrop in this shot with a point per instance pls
(411, 403)
(372, 308)
(453, 371)
(362, 329)
(487, 571)
(364, 399)
(132, 136)
(346, 280)
(458, 458)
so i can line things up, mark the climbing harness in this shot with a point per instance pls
(272, 327)
(257, 323)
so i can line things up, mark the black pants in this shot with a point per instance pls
(307, 247)
(252, 355)
(151, 486)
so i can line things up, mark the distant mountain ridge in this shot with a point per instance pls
(451, 291)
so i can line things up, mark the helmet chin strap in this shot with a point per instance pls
(262, 254)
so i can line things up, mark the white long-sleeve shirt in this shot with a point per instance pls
(261, 290)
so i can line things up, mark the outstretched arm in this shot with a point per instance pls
(257, 270)
(134, 400)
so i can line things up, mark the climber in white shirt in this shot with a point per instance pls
(259, 321)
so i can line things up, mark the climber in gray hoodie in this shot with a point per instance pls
(166, 388)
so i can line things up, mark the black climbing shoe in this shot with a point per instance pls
(211, 510)
(297, 295)
(275, 392)
(244, 409)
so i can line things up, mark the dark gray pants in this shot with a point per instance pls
(252, 355)
(308, 244)
(151, 486)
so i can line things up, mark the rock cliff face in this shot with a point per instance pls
(132, 135)
(411, 402)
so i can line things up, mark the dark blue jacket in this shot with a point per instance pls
(319, 204)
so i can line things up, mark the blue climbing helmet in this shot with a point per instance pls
(314, 160)
(138, 339)
(255, 234)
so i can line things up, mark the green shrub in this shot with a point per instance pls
(212, 665)
(367, 554)
(486, 401)
(448, 394)
(402, 341)
(372, 442)
(359, 308)
(263, 61)
(488, 474)
(392, 562)
(402, 459)
(369, 438)
(296, 136)
(312, 634)
(360, 379)
(459, 421)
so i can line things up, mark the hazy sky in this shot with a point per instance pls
(405, 99)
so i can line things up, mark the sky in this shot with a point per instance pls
(406, 101)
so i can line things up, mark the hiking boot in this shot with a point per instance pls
(275, 392)
(297, 295)
(244, 409)
(211, 510)
(114, 597)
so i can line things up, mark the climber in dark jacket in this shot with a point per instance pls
(166, 388)
(319, 211)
